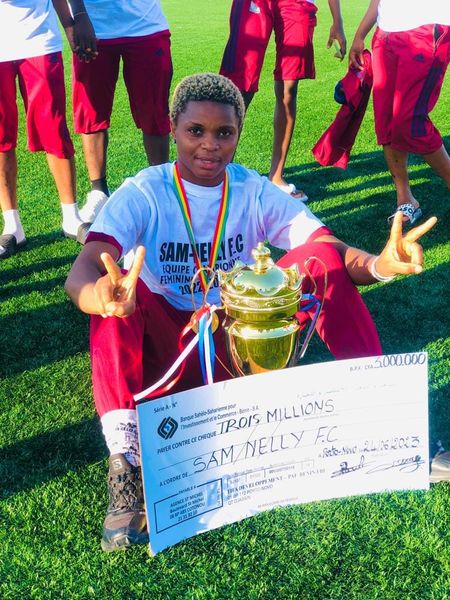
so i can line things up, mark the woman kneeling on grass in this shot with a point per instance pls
(147, 221)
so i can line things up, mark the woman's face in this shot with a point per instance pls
(206, 134)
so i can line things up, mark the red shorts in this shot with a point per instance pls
(41, 83)
(408, 71)
(251, 24)
(147, 72)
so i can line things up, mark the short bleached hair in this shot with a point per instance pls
(207, 87)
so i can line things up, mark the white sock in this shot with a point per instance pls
(121, 435)
(71, 218)
(13, 225)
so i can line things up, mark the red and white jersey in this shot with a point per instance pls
(28, 28)
(402, 15)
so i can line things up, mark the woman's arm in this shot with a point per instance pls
(337, 28)
(79, 30)
(401, 255)
(357, 262)
(355, 55)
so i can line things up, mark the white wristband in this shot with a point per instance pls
(376, 275)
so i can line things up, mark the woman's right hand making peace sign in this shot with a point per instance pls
(115, 293)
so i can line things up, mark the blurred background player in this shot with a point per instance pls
(30, 53)
(410, 55)
(136, 33)
(293, 22)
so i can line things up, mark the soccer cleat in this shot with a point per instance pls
(95, 200)
(125, 523)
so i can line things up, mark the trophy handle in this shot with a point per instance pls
(313, 300)
(312, 325)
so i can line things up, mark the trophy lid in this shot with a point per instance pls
(261, 288)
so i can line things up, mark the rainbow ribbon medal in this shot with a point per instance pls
(180, 193)
(205, 339)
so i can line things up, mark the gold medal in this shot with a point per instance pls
(194, 321)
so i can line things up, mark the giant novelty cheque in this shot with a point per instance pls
(226, 451)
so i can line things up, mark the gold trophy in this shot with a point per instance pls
(260, 302)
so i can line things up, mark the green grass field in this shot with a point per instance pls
(53, 460)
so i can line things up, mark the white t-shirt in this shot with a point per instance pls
(125, 18)
(28, 28)
(145, 211)
(402, 15)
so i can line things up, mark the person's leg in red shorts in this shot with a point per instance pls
(409, 68)
(127, 356)
(147, 72)
(385, 63)
(94, 84)
(294, 24)
(251, 24)
(437, 158)
(41, 83)
(8, 161)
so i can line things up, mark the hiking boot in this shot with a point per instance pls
(125, 523)
(94, 203)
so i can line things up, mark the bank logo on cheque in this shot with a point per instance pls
(167, 428)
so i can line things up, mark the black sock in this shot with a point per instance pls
(100, 185)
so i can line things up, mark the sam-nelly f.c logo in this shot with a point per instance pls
(167, 428)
